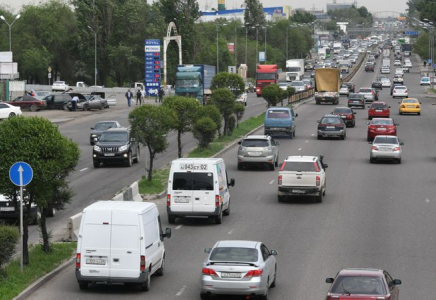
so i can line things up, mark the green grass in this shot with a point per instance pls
(219, 143)
(40, 264)
(157, 183)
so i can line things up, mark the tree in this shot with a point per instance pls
(230, 81)
(303, 17)
(52, 157)
(212, 112)
(8, 239)
(224, 100)
(254, 16)
(272, 94)
(185, 110)
(426, 9)
(239, 112)
(150, 124)
(204, 131)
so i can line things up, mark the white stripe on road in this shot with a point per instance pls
(231, 231)
(180, 226)
(313, 134)
(272, 181)
(427, 200)
(179, 293)
(83, 169)
(299, 149)
(307, 141)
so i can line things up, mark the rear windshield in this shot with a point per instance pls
(234, 254)
(342, 110)
(400, 87)
(385, 140)
(300, 166)
(378, 105)
(365, 91)
(330, 121)
(297, 83)
(364, 285)
(104, 125)
(188, 181)
(382, 122)
(254, 143)
(356, 96)
(278, 114)
(410, 101)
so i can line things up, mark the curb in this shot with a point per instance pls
(43, 280)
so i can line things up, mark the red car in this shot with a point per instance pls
(347, 115)
(29, 102)
(363, 284)
(379, 109)
(381, 126)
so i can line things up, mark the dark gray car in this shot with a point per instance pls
(98, 129)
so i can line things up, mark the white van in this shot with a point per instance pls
(120, 242)
(198, 187)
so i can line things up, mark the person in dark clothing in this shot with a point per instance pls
(138, 97)
(161, 94)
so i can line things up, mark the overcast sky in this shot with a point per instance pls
(372, 5)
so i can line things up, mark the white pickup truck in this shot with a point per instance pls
(302, 176)
(59, 86)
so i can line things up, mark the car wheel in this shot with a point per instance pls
(280, 198)
(291, 135)
(399, 161)
(83, 285)
(272, 167)
(51, 213)
(96, 164)
(273, 284)
(204, 296)
(147, 284)
(319, 137)
(343, 137)
(129, 162)
(171, 219)
(219, 218)
(317, 102)
(85, 108)
(419, 114)
(161, 270)
(136, 160)
(65, 107)
(245, 104)
(371, 160)
(101, 107)
(277, 161)
(369, 118)
(265, 296)
(240, 167)
(11, 115)
(226, 212)
(33, 108)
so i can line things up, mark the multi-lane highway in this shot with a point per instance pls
(374, 215)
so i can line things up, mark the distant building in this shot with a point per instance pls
(319, 14)
(336, 6)
(272, 14)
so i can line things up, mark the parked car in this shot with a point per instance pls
(59, 86)
(29, 102)
(400, 91)
(61, 100)
(9, 111)
(378, 109)
(99, 128)
(331, 126)
(237, 267)
(385, 147)
(258, 150)
(356, 99)
(381, 126)
(41, 94)
(410, 106)
(93, 102)
(347, 115)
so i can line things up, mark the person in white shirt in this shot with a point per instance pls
(74, 103)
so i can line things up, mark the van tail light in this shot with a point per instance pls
(78, 260)
(396, 149)
(217, 200)
(142, 265)
(168, 200)
(280, 180)
(407, 91)
(254, 273)
(318, 181)
(210, 272)
(374, 148)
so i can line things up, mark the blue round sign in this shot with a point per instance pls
(21, 173)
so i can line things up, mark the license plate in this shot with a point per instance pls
(410, 106)
(357, 101)
(330, 127)
(230, 275)
(255, 153)
(298, 191)
(7, 208)
(378, 110)
(109, 154)
(182, 199)
(343, 117)
(95, 261)
(382, 129)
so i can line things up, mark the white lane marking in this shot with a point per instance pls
(306, 141)
(299, 149)
(179, 293)
(83, 169)
(272, 181)
(427, 200)
(231, 231)
(312, 134)
(180, 226)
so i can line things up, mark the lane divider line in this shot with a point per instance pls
(272, 181)
(179, 226)
(231, 231)
(180, 292)
(83, 169)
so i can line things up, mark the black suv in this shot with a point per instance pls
(61, 100)
(115, 145)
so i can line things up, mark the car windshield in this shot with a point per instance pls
(425, 79)
(410, 101)
(187, 83)
(342, 110)
(400, 87)
(254, 143)
(278, 114)
(283, 84)
(113, 137)
(378, 105)
(344, 86)
(104, 125)
(386, 140)
(188, 181)
(382, 122)
(297, 83)
(266, 76)
(356, 96)
(365, 91)
(236, 254)
(300, 166)
(330, 120)
(365, 285)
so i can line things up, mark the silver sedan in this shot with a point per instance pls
(385, 147)
(245, 268)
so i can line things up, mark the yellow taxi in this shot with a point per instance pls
(410, 106)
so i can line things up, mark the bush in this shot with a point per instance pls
(239, 112)
(231, 124)
(204, 131)
(212, 112)
(8, 239)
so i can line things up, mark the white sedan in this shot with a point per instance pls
(399, 71)
(9, 111)
(425, 81)
(400, 91)
(397, 63)
(385, 70)
(242, 99)
(385, 82)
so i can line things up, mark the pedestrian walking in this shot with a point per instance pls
(74, 103)
(161, 94)
(138, 97)
(129, 97)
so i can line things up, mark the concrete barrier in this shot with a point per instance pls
(135, 192)
(73, 226)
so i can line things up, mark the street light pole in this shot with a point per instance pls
(10, 29)
(217, 48)
(234, 49)
(95, 54)
(257, 44)
(264, 62)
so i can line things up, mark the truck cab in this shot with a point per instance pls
(265, 75)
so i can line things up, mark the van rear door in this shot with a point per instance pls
(203, 191)
(95, 244)
(181, 196)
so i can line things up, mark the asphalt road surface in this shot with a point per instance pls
(374, 215)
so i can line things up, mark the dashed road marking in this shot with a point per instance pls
(312, 134)
(306, 141)
(180, 292)
(231, 231)
(83, 169)
(299, 149)
(180, 226)
(272, 181)
(427, 200)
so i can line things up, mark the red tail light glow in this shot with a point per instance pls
(280, 180)
(374, 148)
(142, 265)
(254, 273)
(78, 261)
(418, 106)
(217, 200)
(403, 106)
(318, 181)
(168, 200)
(396, 149)
(210, 272)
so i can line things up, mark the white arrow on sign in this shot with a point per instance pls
(20, 170)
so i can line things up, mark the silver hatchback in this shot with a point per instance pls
(258, 150)
(245, 268)
(386, 147)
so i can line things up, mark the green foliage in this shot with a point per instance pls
(212, 112)
(239, 112)
(224, 100)
(158, 183)
(421, 45)
(8, 239)
(426, 9)
(150, 124)
(272, 94)
(204, 131)
(230, 81)
(352, 15)
(303, 17)
(254, 16)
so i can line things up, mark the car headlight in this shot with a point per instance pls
(93, 135)
(97, 148)
(124, 148)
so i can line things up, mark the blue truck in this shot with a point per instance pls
(194, 81)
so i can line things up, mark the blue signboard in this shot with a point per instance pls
(152, 67)
(21, 173)
(412, 33)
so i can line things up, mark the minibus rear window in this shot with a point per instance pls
(183, 181)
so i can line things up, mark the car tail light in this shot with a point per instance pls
(142, 263)
(318, 181)
(418, 106)
(210, 272)
(403, 106)
(396, 149)
(254, 273)
(217, 200)
(168, 200)
(406, 91)
(349, 116)
(280, 180)
(374, 148)
(78, 261)
(257, 89)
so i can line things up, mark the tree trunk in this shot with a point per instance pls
(150, 166)
(179, 143)
(45, 237)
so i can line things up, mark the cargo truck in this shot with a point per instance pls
(294, 69)
(194, 81)
(265, 75)
(327, 83)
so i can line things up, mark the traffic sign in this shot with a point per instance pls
(412, 33)
(429, 60)
(152, 67)
(21, 173)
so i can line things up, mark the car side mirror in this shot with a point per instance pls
(232, 182)
(397, 124)
(370, 143)
(368, 106)
(401, 144)
(92, 128)
(273, 252)
(317, 121)
(354, 112)
(240, 142)
(207, 250)
(329, 280)
(389, 107)
(277, 143)
(296, 115)
(325, 166)
(167, 233)
(397, 281)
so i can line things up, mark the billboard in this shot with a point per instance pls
(231, 47)
(152, 67)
